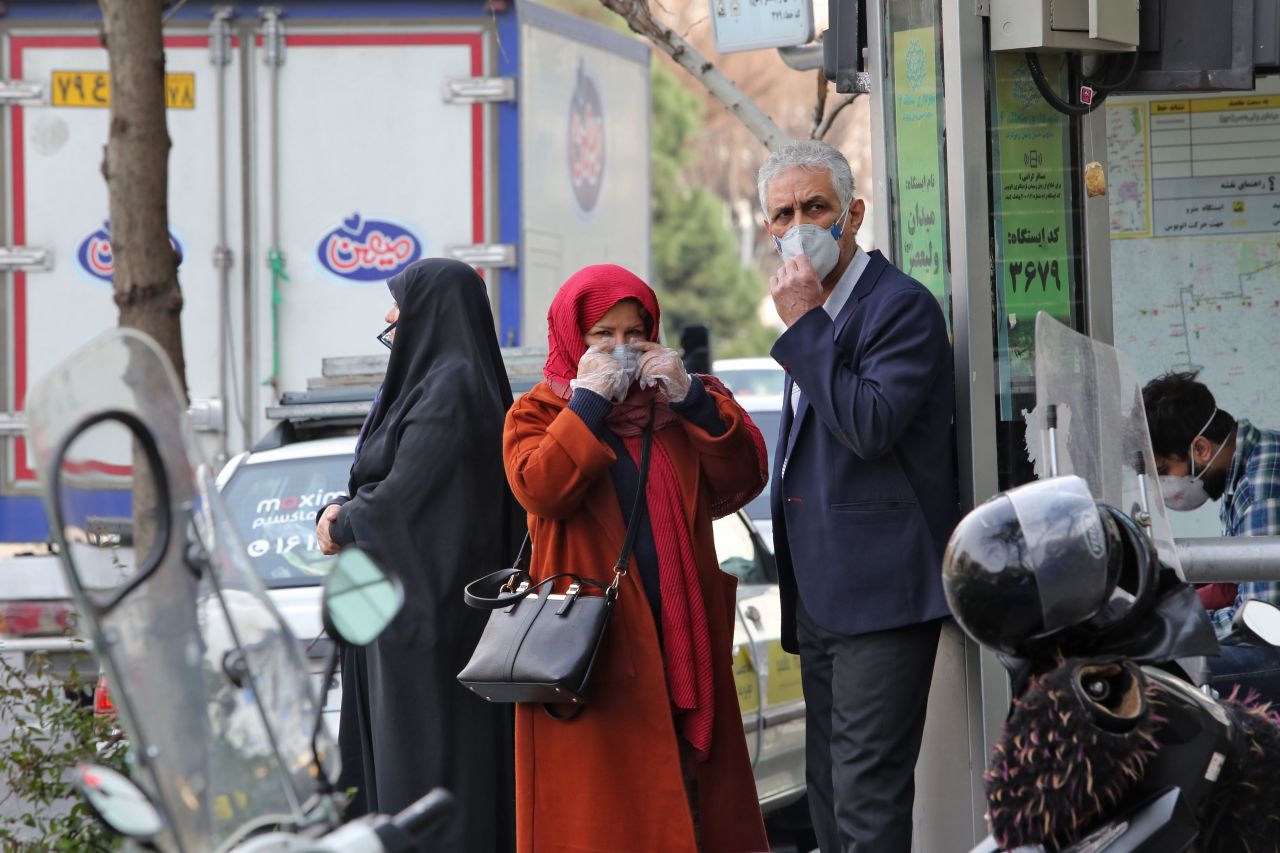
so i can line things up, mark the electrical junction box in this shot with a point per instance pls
(1099, 26)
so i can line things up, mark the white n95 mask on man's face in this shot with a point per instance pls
(1187, 492)
(1183, 494)
(820, 245)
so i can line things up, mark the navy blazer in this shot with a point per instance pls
(869, 498)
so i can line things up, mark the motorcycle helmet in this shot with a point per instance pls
(1043, 565)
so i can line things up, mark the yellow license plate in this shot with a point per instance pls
(744, 678)
(784, 676)
(93, 89)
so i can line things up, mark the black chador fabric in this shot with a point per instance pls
(429, 499)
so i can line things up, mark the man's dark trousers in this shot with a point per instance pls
(865, 696)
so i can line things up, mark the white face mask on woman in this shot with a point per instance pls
(628, 357)
(820, 245)
(1187, 492)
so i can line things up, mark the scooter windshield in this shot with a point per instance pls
(1094, 394)
(212, 688)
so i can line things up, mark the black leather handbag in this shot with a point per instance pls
(539, 646)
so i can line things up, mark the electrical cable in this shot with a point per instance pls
(1111, 76)
(1052, 98)
(1105, 82)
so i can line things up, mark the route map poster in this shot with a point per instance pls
(1195, 249)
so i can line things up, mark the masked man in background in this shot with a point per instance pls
(1203, 453)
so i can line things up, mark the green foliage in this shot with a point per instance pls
(696, 268)
(47, 732)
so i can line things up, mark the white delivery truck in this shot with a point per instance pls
(318, 149)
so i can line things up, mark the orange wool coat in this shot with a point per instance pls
(610, 779)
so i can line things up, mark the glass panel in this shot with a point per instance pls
(768, 421)
(917, 144)
(736, 550)
(1037, 257)
(95, 476)
(225, 731)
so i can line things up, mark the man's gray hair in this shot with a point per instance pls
(807, 154)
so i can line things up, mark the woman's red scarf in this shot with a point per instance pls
(686, 646)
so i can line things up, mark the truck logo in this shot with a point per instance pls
(95, 258)
(367, 249)
(586, 141)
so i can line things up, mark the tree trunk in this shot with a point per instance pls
(136, 168)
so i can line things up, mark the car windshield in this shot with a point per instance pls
(273, 506)
(768, 422)
(752, 381)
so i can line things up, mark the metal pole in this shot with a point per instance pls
(964, 61)
(1051, 420)
(1144, 497)
(12, 424)
(1097, 234)
(273, 56)
(1230, 559)
(247, 222)
(220, 57)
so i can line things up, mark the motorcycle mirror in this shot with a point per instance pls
(111, 501)
(1259, 620)
(118, 802)
(360, 598)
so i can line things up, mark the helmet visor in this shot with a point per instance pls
(1066, 548)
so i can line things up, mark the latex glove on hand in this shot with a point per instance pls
(663, 364)
(600, 372)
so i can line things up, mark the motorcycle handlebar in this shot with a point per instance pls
(436, 805)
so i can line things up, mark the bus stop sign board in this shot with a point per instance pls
(755, 24)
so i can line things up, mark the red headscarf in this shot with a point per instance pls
(686, 649)
(581, 301)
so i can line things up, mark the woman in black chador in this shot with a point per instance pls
(429, 499)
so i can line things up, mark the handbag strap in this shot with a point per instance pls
(477, 593)
(522, 559)
(638, 506)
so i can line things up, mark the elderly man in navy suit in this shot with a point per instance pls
(864, 497)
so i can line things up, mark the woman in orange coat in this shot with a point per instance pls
(658, 760)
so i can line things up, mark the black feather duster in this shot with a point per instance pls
(1244, 813)
(1077, 740)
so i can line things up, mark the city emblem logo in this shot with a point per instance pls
(915, 64)
(586, 141)
(95, 257)
(367, 249)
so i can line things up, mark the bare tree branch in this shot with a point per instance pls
(689, 29)
(639, 17)
(819, 105)
(821, 128)
(169, 15)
